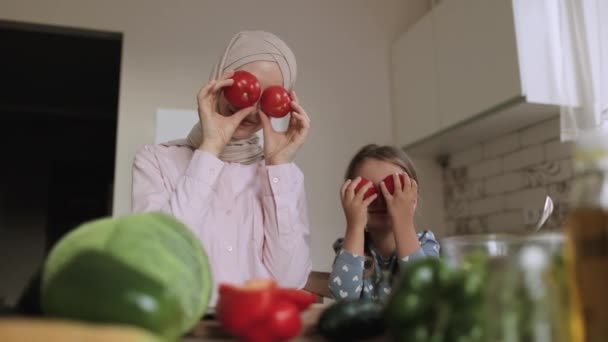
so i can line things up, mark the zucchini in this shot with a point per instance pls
(352, 320)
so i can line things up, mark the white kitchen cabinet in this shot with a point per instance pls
(477, 61)
(414, 88)
(470, 70)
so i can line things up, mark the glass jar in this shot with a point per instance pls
(526, 296)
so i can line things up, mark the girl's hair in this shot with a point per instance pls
(389, 154)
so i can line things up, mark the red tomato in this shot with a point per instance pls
(245, 91)
(390, 183)
(369, 192)
(276, 101)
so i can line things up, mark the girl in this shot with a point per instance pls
(245, 203)
(380, 235)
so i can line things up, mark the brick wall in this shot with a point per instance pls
(500, 185)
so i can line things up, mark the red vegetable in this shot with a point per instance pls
(284, 321)
(259, 311)
(390, 183)
(276, 101)
(302, 299)
(240, 307)
(369, 192)
(245, 91)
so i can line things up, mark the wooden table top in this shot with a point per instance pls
(210, 330)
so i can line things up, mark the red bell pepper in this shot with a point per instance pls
(240, 307)
(259, 311)
(302, 299)
(284, 321)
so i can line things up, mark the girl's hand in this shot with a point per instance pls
(216, 128)
(281, 147)
(355, 207)
(401, 205)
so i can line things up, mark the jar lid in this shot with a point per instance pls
(591, 152)
(592, 145)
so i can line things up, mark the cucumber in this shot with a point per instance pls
(352, 320)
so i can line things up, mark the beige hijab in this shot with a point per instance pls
(246, 47)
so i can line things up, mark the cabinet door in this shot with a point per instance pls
(414, 90)
(477, 60)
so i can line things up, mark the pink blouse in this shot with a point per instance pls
(251, 219)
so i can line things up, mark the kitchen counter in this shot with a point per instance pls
(205, 330)
(210, 330)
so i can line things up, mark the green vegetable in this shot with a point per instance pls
(352, 320)
(79, 291)
(147, 270)
(432, 302)
(531, 298)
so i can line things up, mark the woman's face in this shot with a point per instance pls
(376, 170)
(268, 74)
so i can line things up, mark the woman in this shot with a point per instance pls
(246, 203)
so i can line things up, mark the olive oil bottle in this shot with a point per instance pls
(586, 252)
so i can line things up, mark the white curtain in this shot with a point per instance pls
(581, 65)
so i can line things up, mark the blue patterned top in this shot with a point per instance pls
(370, 276)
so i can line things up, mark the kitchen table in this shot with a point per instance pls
(210, 330)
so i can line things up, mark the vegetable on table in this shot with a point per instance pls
(432, 302)
(352, 320)
(260, 311)
(145, 270)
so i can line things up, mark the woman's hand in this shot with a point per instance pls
(281, 147)
(401, 205)
(216, 128)
(355, 207)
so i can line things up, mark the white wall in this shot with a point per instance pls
(430, 213)
(170, 46)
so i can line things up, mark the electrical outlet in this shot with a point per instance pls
(531, 216)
